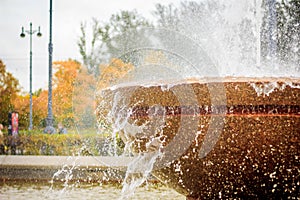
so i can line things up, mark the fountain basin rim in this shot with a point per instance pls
(59, 161)
(204, 80)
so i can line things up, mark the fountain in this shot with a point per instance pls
(203, 129)
(253, 153)
(207, 109)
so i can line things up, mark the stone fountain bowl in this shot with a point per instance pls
(234, 138)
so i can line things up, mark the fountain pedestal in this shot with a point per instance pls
(245, 145)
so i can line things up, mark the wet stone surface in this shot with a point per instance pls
(247, 147)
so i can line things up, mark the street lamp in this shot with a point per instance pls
(49, 120)
(50, 128)
(39, 34)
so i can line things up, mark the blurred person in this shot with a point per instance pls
(13, 131)
(61, 129)
(2, 146)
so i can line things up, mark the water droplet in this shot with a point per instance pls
(272, 175)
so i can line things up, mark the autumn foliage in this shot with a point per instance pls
(66, 77)
(73, 96)
(9, 88)
(63, 86)
(113, 72)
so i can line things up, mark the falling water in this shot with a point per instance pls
(224, 39)
(258, 17)
(272, 24)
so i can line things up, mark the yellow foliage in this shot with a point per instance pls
(156, 58)
(117, 69)
(65, 76)
(63, 85)
(83, 95)
(73, 91)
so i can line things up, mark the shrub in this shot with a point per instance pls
(36, 143)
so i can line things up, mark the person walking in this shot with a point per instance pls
(2, 146)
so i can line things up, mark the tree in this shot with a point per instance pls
(63, 86)
(67, 95)
(9, 88)
(189, 15)
(21, 105)
(108, 38)
(39, 109)
(227, 40)
(84, 99)
(168, 16)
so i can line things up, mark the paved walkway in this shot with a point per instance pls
(59, 161)
(46, 168)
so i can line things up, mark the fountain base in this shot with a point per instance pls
(250, 139)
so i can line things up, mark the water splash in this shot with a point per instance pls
(138, 172)
(65, 174)
(265, 89)
(230, 35)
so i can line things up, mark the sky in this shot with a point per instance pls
(67, 16)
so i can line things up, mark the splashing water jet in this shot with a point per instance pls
(202, 118)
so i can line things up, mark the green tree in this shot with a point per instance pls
(167, 16)
(9, 88)
(108, 38)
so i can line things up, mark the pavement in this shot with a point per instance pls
(58, 161)
(85, 168)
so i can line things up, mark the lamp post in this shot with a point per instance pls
(39, 34)
(49, 127)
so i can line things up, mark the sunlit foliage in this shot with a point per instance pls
(9, 87)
